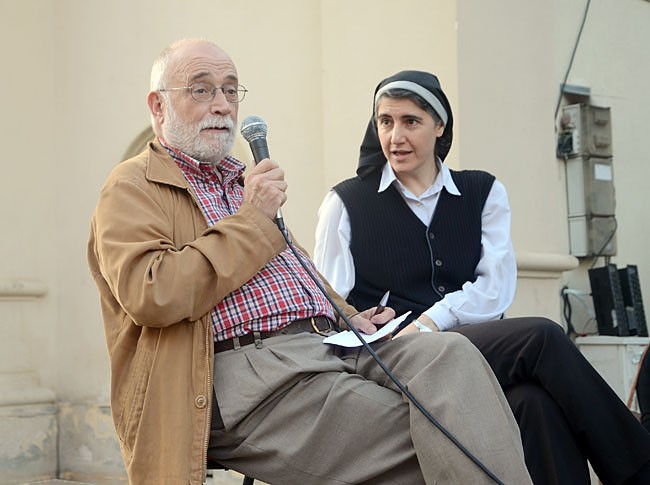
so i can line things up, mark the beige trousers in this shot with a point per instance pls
(298, 411)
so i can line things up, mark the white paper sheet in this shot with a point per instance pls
(349, 339)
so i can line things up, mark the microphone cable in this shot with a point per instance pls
(254, 131)
(381, 364)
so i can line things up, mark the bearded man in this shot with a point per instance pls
(215, 330)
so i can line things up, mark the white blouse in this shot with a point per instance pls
(485, 299)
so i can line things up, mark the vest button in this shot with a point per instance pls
(438, 262)
(432, 236)
(441, 289)
(200, 401)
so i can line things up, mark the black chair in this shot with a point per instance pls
(214, 465)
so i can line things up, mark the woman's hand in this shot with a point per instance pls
(367, 322)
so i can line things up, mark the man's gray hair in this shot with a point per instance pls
(159, 67)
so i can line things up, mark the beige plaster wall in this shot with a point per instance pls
(505, 117)
(28, 187)
(612, 59)
(507, 97)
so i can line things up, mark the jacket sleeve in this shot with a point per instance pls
(159, 282)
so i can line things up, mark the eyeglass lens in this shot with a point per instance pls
(206, 92)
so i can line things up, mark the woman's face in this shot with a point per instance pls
(408, 135)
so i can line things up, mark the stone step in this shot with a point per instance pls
(56, 481)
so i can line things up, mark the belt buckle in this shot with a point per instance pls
(322, 333)
(257, 340)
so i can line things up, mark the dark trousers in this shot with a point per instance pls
(566, 412)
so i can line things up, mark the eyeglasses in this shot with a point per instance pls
(205, 92)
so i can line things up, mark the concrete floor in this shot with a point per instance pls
(219, 477)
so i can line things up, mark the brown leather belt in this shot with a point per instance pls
(320, 325)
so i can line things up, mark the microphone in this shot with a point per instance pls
(254, 130)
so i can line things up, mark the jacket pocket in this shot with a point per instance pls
(133, 402)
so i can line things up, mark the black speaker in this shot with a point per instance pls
(633, 301)
(609, 304)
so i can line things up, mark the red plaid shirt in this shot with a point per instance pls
(278, 294)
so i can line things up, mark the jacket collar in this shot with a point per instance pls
(161, 167)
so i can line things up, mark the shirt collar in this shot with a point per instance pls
(443, 180)
(229, 167)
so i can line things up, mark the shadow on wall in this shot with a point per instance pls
(139, 143)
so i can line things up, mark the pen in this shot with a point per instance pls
(382, 304)
(401, 327)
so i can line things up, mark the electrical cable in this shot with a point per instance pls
(567, 311)
(575, 48)
(383, 366)
(609, 238)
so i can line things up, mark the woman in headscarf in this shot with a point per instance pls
(439, 240)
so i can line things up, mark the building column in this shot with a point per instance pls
(28, 412)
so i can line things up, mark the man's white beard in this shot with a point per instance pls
(189, 139)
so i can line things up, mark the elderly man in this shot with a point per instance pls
(214, 329)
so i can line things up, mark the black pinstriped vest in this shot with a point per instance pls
(394, 251)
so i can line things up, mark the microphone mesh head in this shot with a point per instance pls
(253, 127)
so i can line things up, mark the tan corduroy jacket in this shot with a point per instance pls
(160, 270)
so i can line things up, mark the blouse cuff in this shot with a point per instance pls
(421, 326)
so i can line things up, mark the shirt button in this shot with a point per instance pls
(200, 401)
(438, 262)
(441, 289)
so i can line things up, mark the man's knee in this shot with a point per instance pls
(452, 340)
(452, 344)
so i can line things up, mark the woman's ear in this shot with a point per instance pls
(440, 129)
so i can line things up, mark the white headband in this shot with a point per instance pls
(419, 90)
